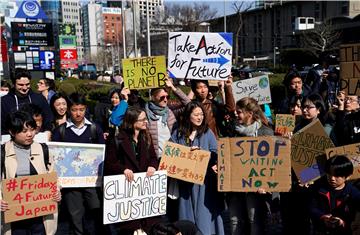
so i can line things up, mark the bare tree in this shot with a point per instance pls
(190, 16)
(102, 59)
(322, 38)
(240, 8)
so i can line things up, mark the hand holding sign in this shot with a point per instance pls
(4, 206)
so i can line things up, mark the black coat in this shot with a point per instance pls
(120, 156)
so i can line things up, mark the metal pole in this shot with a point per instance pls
(275, 56)
(134, 26)
(225, 16)
(123, 27)
(148, 28)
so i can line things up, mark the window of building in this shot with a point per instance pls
(317, 11)
(344, 8)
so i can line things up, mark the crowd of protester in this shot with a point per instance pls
(134, 132)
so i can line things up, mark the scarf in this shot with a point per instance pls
(152, 110)
(250, 130)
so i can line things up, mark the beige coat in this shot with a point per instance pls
(37, 160)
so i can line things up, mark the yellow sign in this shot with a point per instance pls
(144, 72)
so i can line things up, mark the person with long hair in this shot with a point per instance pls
(248, 210)
(21, 156)
(46, 87)
(201, 204)
(131, 151)
(59, 105)
(119, 105)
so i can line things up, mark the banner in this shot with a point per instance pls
(308, 151)
(32, 34)
(352, 151)
(200, 55)
(30, 9)
(141, 198)
(67, 29)
(184, 164)
(350, 69)
(256, 87)
(284, 123)
(67, 41)
(78, 165)
(144, 72)
(68, 55)
(29, 196)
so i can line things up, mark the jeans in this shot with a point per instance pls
(247, 213)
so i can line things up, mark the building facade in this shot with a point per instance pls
(271, 26)
(92, 22)
(70, 14)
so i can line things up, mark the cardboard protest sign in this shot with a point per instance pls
(284, 123)
(256, 87)
(308, 151)
(29, 196)
(144, 72)
(200, 55)
(77, 164)
(143, 197)
(246, 164)
(350, 68)
(352, 151)
(184, 164)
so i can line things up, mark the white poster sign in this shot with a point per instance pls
(143, 197)
(200, 55)
(257, 88)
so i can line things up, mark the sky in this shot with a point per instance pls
(214, 4)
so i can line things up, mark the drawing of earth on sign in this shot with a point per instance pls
(77, 162)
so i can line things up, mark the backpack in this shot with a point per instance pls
(94, 137)
(45, 153)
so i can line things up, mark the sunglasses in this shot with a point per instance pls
(163, 97)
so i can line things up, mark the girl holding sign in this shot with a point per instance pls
(21, 156)
(201, 204)
(249, 208)
(132, 151)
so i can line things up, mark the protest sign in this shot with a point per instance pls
(256, 87)
(29, 196)
(144, 72)
(184, 164)
(308, 151)
(352, 151)
(246, 164)
(143, 197)
(200, 55)
(284, 123)
(350, 69)
(77, 164)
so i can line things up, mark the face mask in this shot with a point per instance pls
(2, 93)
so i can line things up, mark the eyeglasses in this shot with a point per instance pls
(164, 97)
(307, 107)
(142, 120)
(351, 100)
